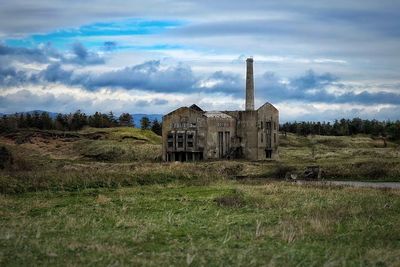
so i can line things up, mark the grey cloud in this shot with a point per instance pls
(391, 113)
(39, 54)
(149, 76)
(46, 53)
(33, 16)
(84, 57)
(153, 76)
(55, 73)
(228, 83)
(25, 100)
(159, 102)
(312, 87)
(10, 76)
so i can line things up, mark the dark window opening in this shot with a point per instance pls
(268, 153)
(170, 139)
(268, 136)
(268, 127)
(184, 156)
(180, 140)
(220, 144)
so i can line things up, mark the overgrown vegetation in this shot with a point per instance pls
(114, 157)
(73, 121)
(103, 197)
(345, 127)
(222, 224)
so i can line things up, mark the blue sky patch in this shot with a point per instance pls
(63, 38)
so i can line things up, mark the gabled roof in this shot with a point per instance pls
(196, 107)
(183, 108)
(267, 104)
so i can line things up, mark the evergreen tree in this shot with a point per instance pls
(144, 123)
(156, 127)
(61, 122)
(126, 119)
(77, 121)
(112, 120)
(46, 121)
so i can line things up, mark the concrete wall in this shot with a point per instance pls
(216, 125)
(267, 114)
(247, 131)
(184, 121)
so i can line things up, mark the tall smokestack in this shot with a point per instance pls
(249, 85)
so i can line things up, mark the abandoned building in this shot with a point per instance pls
(189, 133)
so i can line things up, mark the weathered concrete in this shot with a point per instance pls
(194, 134)
(249, 85)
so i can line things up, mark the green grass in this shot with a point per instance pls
(223, 224)
(97, 158)
(121, 133)
(342, 157)
(103, 197)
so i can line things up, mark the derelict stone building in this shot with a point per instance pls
(189, 133)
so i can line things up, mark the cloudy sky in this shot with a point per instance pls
(314, 60)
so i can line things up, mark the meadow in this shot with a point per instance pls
(103, 197)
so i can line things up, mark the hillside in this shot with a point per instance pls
(123, 144)
(343, 157)
(126, 156)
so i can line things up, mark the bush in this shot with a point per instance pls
(233, 200)
(6, 159)
(281, 170)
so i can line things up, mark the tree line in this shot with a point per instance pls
(74, 121)
(345, 127)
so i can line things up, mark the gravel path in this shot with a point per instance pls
(392, 185)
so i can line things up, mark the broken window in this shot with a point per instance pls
(268, 130)
(170, 140)
(180, 140)
(190, 139)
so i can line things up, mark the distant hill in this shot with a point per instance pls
(52, 115)
(138, 117)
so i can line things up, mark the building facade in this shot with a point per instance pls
(189, 133)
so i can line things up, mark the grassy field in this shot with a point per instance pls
(103, 197)
(223, 224)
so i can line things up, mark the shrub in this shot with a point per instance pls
(234, 200)
(281, 170)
